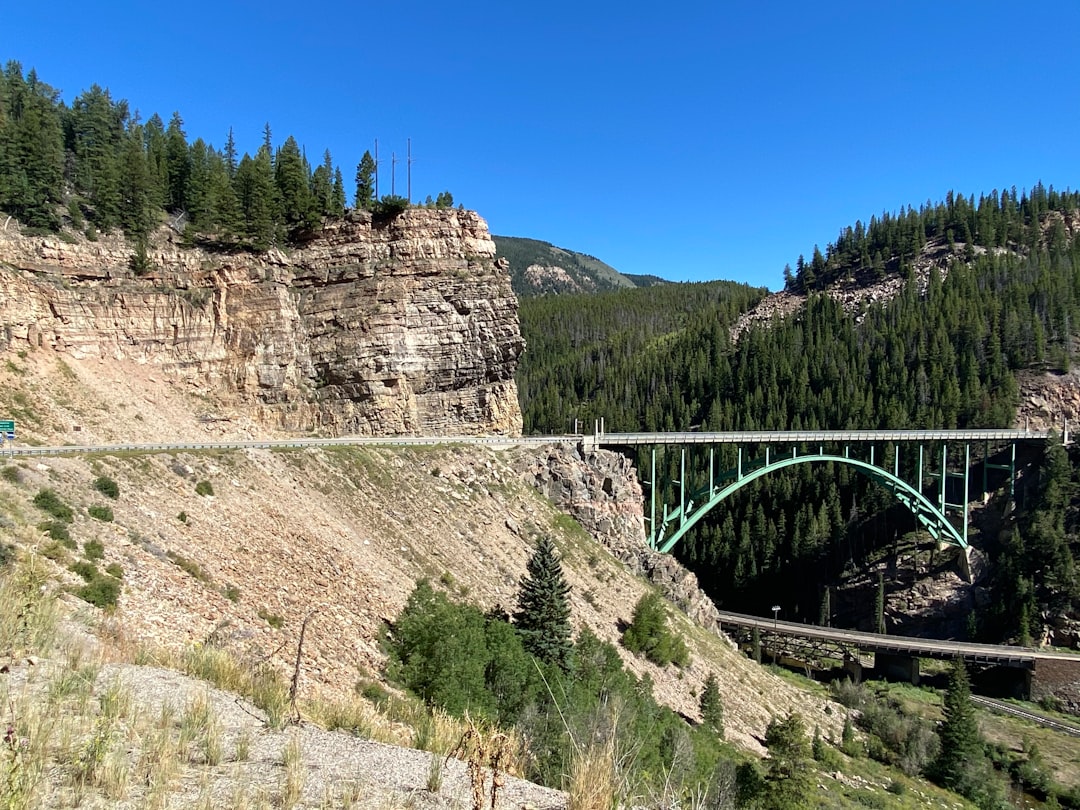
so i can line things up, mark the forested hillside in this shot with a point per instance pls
(943, 353)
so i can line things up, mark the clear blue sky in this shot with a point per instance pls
(693, 140)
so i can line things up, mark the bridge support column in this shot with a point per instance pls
(897, 667)
(964, 561)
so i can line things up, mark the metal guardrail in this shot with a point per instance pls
(818, 436)
(592, 441)
(499, 442)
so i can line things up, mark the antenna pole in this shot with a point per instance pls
(393, 168)
(376, 168)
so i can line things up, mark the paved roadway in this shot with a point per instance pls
(922, 647)
(590, 441)
(495, 442)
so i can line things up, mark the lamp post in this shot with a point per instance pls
(775, 610)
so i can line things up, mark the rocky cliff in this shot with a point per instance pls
(406, 326)
(602, 491)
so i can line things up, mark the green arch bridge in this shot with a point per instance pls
(931, 512)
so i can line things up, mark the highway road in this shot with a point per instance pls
(495, 442)
(590, 441)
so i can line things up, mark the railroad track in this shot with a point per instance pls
(1015, 711)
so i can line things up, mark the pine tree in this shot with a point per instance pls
(322, 185)
(31, 148)
(961, 759)
(230, 154)
(787, 778)
(95, 134)
(293, 183)
(257, 196)
(543, 617)
(136, 187)
(879, 605)
(177, 165)
(154, 141)
(339, 200)
(712, 709)
(365, 183)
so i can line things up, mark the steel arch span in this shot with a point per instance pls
(686, 516)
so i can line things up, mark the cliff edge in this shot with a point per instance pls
(374, 327)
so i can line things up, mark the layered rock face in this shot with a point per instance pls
(601, 490)
(405, 326)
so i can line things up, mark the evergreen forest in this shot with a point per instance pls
(988, 290)
(96, 166)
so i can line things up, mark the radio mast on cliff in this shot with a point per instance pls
(376, 168)
(408, 142)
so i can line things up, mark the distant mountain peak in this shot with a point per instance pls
(541, 268)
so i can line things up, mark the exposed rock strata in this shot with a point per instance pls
(601, 490)
(399, 327)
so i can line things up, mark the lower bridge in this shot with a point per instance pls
(1024, 672)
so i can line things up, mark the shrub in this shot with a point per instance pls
(107, 487)
(93, 549)
(204, 488)
(49, 502)
(102, 513)
(374, 692)
(390, 206)
(232, 593)
(114, 570)
(59, 532)
(86, 570)
(102, 592)
(271, 619)
(190, 566)
(55, 551)
(648, 634)
(182, 517)
(11, 474)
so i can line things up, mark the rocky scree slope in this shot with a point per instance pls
(407, 325)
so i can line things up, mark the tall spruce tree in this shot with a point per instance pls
(788, 784)
(543, 617)
(961, 763)
(365, 182)
(712, 708)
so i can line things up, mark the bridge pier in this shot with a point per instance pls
(964, 561)
(897, 667)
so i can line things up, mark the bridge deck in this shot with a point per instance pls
(817, 437)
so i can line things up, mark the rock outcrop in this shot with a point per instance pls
(601, 490)
(403, 326)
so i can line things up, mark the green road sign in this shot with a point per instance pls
(7, 425)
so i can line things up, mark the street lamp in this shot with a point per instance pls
(775, 610)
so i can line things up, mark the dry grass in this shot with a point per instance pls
(293, 782)
(592, 782)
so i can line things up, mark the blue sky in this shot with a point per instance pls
(691, 140)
